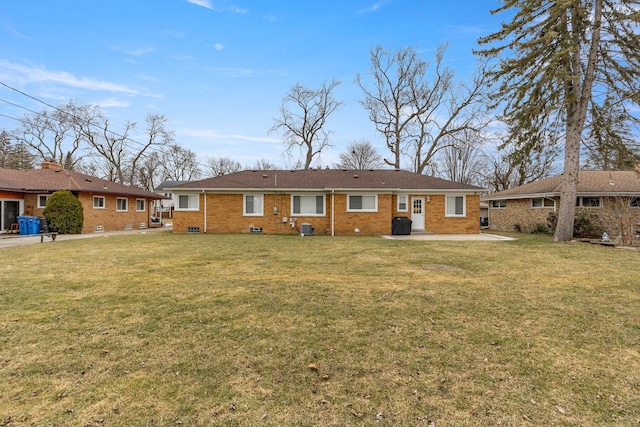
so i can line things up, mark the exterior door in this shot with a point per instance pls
(417, 213)
(10, 210)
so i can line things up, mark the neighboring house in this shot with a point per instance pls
(611, 196)
(331, 201)
(107, 206)
(164, 208)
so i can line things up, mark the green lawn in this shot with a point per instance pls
(198, 330)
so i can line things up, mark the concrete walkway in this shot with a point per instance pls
(11, 240)
(451, 237)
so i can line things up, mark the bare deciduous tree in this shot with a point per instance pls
(417, 116)
(303, 117)
(180, 164)
(221, 165)
(263, 165)
(360, 155)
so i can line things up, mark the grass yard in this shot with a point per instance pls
(199, 330)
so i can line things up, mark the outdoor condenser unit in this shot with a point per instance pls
(306, 229)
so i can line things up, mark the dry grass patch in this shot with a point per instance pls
(160, 329)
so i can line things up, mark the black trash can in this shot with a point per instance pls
(44, 225)
(401, 225)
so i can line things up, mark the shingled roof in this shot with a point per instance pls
(590, 183)
(326, 179)
(49, 180)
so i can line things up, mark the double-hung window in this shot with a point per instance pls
(310, 205)
(187, 202)
(122, 204)
(402, 203)
(362, 203)
(456, 206)
(98, 202)
(42, 200)
(253, 205)
(140, 205)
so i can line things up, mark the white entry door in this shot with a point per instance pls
(417, 213)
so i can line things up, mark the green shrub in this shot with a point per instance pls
(64, 213)
(584, 225)
(539, 228)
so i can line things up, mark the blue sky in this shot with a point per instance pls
(218, 70)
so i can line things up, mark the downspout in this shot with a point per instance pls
(333, 215)
(204, 195)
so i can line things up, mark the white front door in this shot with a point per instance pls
(417, 213)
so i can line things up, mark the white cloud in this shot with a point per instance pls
(236, 9)
(133, 52)
(211, 134)
(203, 3)
(373, 8)
(112, 102)
(219, 46)
(16, 72)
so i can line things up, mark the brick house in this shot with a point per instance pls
(611, 197)
(331, 201)
(107, 206)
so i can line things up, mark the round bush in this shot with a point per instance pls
(64, 213)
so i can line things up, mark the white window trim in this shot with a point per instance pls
(122, 198)
(191, 196)
(47, 198)
(464, 206)
(244, 204)
(406, 203)
(324, 204)
(498, 207)
(104, 202)
(543, 202)
(144, 205)
(582, 206)
(375, 196)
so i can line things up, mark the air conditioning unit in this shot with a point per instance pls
(306, 229)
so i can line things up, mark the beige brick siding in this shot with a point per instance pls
(611, 216)
(224, 215)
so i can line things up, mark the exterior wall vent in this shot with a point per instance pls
(143, 225)
(193, 229)
(128, 226)
(99, 228)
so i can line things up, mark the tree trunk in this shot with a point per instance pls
(567, 210)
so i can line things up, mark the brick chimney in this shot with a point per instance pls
(51, 164)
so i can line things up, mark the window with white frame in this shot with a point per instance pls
(588, 202)
(188, 202)
(402, 203)
(98, 202)
(140, 205)
(253, 205)
(455, 206)
(122, 204)
(634, 202)
(42, 200)
(499, 204)
(307, 205)
(542, 202)
(362, 203)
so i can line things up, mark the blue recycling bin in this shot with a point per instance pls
(23, 223)
(34, 225)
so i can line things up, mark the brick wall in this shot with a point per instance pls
(108, 218)
(610, 217)
(224, 215)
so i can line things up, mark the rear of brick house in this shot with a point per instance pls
(107, 206)
(331, 201)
